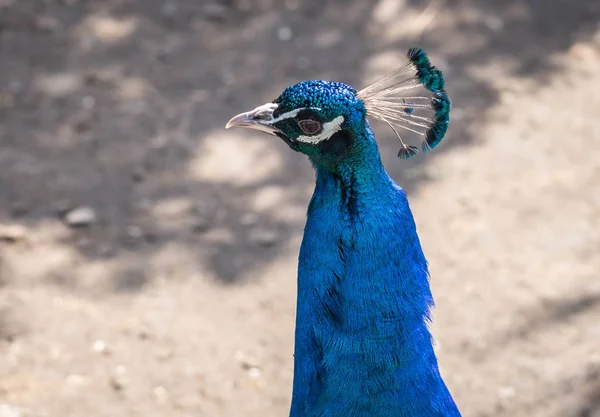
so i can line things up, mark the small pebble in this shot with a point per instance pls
(88, 102)
(120, 370)
(80, 217)
(507, 392)
(9, 411)
(284, 34)
(138, 175)
(254, 372)
(143, 333)
(263, 237)
(495, 24)
(249, 365)
(100, 346)
(12, 233)
(76, 380)
(118, 382)
(201, 225)
(163, 354)
(161, 394)
(134, 232)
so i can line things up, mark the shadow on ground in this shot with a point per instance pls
(120, 106)
(108, 104)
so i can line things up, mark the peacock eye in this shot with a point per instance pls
(310, 127)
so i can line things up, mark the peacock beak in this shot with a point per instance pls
(261, 118)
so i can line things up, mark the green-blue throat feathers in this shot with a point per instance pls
(362, 344)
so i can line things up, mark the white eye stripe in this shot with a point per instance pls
(291, 114)
(329, 129)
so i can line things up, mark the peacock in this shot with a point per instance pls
(362, 342)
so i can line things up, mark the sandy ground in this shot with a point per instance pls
(178, 298)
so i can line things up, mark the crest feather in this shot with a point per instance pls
(413, 99)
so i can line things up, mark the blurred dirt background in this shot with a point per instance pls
(148, 256)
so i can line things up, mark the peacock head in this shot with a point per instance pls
(328, 120)
(318, 118)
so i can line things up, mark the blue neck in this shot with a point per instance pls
(362, 344)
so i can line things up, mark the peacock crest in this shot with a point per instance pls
(412, 98)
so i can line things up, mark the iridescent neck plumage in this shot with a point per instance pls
(362, 342)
